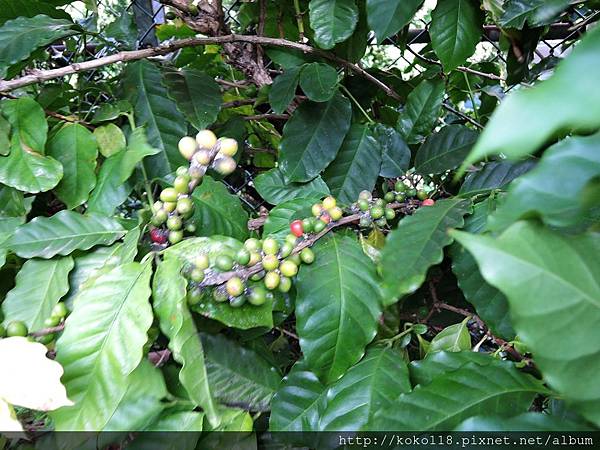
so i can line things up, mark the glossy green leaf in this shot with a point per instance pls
(40, 284)
(421, 111)
(494, 175)
(283, 89)
(455, 30)
(62, 233)
(552, 286)
(102, 345)
(338, 304)
(197, 95)
(164, 123)
(356, 166)
(553, 190)
(333, 21)
(165, 433)
(449, 399)
(110, 139)
(395, 154)
(21, 36)
(388, 17)
(176, 322)
(239, 376)
(453, 338)
(26, 168)
(272, 187)
(12, 203)
(218, 212)
(312, 137)
(74, 146)
(568, 102)
(4, 136)
(445, 150)
(298, 403)
(437, 364)
(373, 384)
(530, 421)
(417, 244)
(535, 12)
(11, 9)
(318, 81)
(278, 221)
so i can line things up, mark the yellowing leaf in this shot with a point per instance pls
(33, 380)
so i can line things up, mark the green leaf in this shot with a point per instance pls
(312, 137)
(74, 146)
(453, 338)
(530, 421)
(472, 389)
(373, 384)
(333, 21)
(40, 284)
(4, 136)
(102, 345)
(337, 307)
(437, 364)
(535, 12)
(283, 89)
(318, 81)
(239, 376)
(26, 168)
(456, 29)
(278, 221)
(164, 123)
(218, 212)
(298, 403)
(20, 37)
(176, 322)
(110, 139)
(273, 189)
(356, 166)
(494, 175)
(421, 111)
(388, 17)
(544, 274)
(445, 150)
(491, 305)
(395, 154)
(62, 233)
(12, 203)
(417, 244)
(553, 190)
(197, 95)
(11, 9)
(568, 102)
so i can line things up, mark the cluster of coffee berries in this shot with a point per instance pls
(402, 192)
(19, 328)
(175, 205)
(323, 213)
(374, 211)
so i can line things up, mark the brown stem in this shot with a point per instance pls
(46, 331)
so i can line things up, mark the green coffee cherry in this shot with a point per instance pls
(169, 206)
(60, 310)
(197, 275)
(365, 195)
(157, 206)
(201, 262)
(288, 268)
(237, 302)
(377, 212)
(168, 195)
(411, 192)
(202, 157)
(185, 206)
(242, 257)
(225, 165)
(270, 246)
(175, 236)
(258, 276)
(285, 284)
(220, 296)
(252, 245)
(257, 296)
(379, 202)
(319, 226)
(194, 296)
(286, 250)
(159, 218)
(307, 224)
(363, 205)
(234, 287)
(307, 256)
(224, 263)
(389, 213)
(400, 186)
(51, 321)
(422, 195)
(295, 259)
(291, 238)
(272, 280)
(181, 184)
(182, 171)
(381, 222)
(400, 197)
(254, 258)
(336, 213)
(18, 328)
(270, 262)
(365, 222)
(46, 339)
(389, 197)
(174, 223)
(190, 228)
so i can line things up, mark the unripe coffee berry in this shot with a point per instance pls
(181, 184)
(181, 171)
(389, 213)
(389, 197)
(411, 192)
(307, 256)
(220, 296)
(400, 186)
(400, 197)
(257, 296)
(292, 239)
(329, 202)
(270, 246)
(422, 195)
(201, 262)
(254, 258)
(285, 284)
(169, 206)
(270, 262)
(174, 223)
(159, 218)
(237, 302)
(319, 226)
(175, 236)
(377, 212)
(379, 202)
(336, 213)
(224, 263)
(234, 286)
(242, 257)
(197, 275)
(202, 157)
(272, 280)
(365, 195)
(288, 268)
(51, 321)
(316, 209)
(363, 205)
(16, 328)
(194, 296)
(225, 165)
(308, 224)
(60, 310)
(187, 146)
(185, 206)
(206, 139)
(168, 195)
(286, 250)
(252, 245)
(228, 146)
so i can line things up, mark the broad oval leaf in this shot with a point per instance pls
(388, 17)
(436, 364)
(338, 304)
(543, 274)
(453, 338)
(102, 344)
(62, 233)
(535, 12)
(197, 95)
(318, 81)
(421, 111)
(110, 139)
(333, 21)
(217, 211)
(283, 89)
(568, 102)
(395, 154)
(74, 146)
(450, 398)
(40, 284)
(11, 9)
(312, 137)
(456, 29)
(494, 175)
(356, 166)
(272, 187)
(417, 244)
(379, 378)
(445, 150)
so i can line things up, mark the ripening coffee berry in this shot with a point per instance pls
(168, 195)
(181, 184)
(336, 213)
(316, 209)
(329, 202)
(365, 195)
(319, 226)
(286, 249)
(224, 263)
(307, 256)
(175, 236)
(206, 139)
(288, 268)
(363, 205)
(201, 262)
(255, 258)
(308, 224)
(169, 206)
(252, 245)
(270, 246)
(389, 213)
(297, 228)
(187, 147)
(228, 146)
(422, 195)
(242, 257)
(185, 206)
(18, 328)
(234, 286)
(325, 217)
(428, 202)
(272, 280)
(202, 157)
(377, 212)
(225, 165)
(270, 262)
(237, 302)
(285, 284)
(158, 236)
(257, 296)
(197, 275)
(174, 223)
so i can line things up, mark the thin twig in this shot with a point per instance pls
(267, 116)
(47, 331)
(288, 333)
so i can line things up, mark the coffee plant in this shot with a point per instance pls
(267, 221)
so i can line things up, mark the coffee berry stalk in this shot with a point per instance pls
(172, 212)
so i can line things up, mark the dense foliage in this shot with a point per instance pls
(358, 244)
